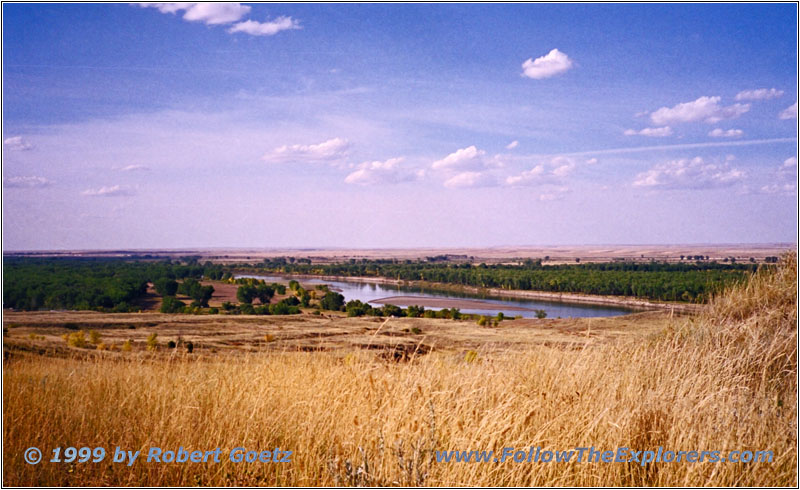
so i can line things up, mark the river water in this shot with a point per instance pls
(369, 292)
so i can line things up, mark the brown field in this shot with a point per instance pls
(557, 254)
(366, 402)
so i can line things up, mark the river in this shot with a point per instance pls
(378, 294)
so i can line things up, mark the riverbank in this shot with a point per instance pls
(474, 304)
(622, 301)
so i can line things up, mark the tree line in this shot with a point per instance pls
(102, 284)
(661, 281)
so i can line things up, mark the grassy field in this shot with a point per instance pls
(354, 412)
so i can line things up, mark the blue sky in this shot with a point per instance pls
(379, 125)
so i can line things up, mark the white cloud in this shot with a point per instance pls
(512, 145)
(759, 94)
(565, 166)
(720, 133)
(469, 158)
(332, 149)
(112, 191)
(561, 167)
(17, 143)
(209, 13)
(27, 182)
(786, 189)
(652, 132)
(689, 174)
(591, 161)
(703, 109)
(269, 28)
(165, 8)
(790, 163)
(226, 13)
(471, 179)
(527, 177)
(135, 168)
(553, 63)
(388, 172)
(216, 13)
(789, 113)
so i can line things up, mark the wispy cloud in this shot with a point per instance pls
(269, 28)
(721, 133)
(689, 174)
(759, 94)
(789, 113)
(704, 108)
(111, 191)
(679, 146)
(330, 150)
(553, 63)
(26, 182)
(17, 143)
(512, 145)
(135, 168)
(785, 189)
(652, 132)
(554, 194)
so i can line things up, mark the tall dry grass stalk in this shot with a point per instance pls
(724, 380)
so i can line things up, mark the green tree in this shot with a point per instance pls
(166, 286)
(246, 293)
(332, 301)
(169, 304)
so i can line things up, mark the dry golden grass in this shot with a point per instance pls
(725, 380)
(237, 334)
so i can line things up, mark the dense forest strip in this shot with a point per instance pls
(117, 284)
(95, 283)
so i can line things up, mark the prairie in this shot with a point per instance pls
(334, 391)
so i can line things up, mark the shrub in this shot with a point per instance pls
(94, 337)
(171, 344)
(152, 341)
(169, 304)
(127, 346)
(75, 339)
